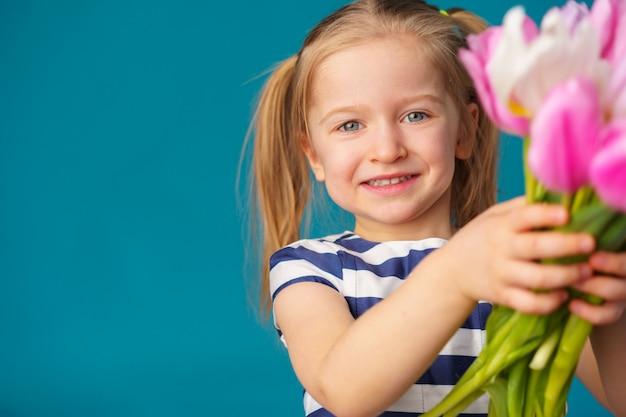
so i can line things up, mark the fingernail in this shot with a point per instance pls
(586, 271)
(564, 296)
(575, 308)
(587, 244)
(599, 260)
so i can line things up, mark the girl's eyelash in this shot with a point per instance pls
(352, 123)
(422, 115)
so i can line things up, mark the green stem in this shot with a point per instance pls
(575, 335)
(585, 196)
(497, 393)
(546, 349)
(531, 184)
(530, 393)
(520, 335)
(458, 408)
(567, 201)
(516, 390)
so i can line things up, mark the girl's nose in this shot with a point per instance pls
(388, 145)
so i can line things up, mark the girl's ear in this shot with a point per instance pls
(311, 156)
(465, 143)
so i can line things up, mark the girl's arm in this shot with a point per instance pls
(361, 367)
(602, 365)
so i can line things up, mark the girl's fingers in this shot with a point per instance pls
(538, 276)
(609, 263)
(610, 289)
(549, 245)
(597, 314)
(536, 216)
(530, 302)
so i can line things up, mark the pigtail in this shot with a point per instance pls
(280, 172)
(475, 189)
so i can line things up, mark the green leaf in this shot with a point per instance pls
(497, 393)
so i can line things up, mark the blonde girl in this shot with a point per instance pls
(384, 318)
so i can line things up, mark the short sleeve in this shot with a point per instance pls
(306, 261)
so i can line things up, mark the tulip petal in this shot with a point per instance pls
(475, 59)
(564, 135)
(508, 59)
(572, 13)
(609, 19)
(608, 168)
(556, 56)
(616, 95)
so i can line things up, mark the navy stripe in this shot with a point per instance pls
(325, 413)
(478, 318)
(357, 245)
(403, 414)
(398, 267)
(327, 262)
(446, 370)
(333, 263)
(322, 412)
(308, 278)
(360, 305)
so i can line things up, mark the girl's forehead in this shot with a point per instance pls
(400, 45)
(392, 57)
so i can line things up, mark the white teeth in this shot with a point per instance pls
(388, 181)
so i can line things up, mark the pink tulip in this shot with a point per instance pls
(616, 94)
(609, 19)
(515, 65)
(476, 61)
(564, 135)
(608, 168)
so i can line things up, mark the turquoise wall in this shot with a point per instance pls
(121, 284)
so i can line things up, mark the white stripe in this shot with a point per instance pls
(360, 283)
(375, 255)
(421, 398)
(363, 283)
(310, 404)
(465, 342)
(418, 399)
(381, 253)
(297, 268)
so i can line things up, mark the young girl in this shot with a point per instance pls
(377, 106)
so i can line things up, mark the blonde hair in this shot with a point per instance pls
(280, 178)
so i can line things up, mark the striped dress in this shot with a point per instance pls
(364, 273)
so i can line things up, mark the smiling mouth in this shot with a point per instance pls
(389, 181)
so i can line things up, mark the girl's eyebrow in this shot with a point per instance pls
(355, 108)
(339, 110)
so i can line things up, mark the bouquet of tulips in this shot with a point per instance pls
(561, 87)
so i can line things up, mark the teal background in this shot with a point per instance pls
(121, 252)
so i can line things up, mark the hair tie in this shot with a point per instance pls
(457, 31)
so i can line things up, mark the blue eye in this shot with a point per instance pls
(415, 117)
(350, 126)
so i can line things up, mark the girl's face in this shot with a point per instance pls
(384, 137)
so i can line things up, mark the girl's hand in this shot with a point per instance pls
(610, 286)
(496, 256)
